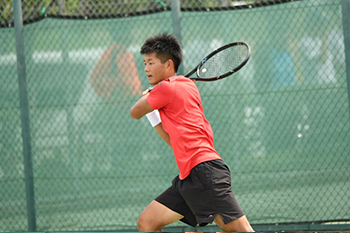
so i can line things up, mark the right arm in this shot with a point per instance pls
(164, 135)
(141, 108)
(156, 122)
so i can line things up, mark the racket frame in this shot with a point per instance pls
(204, 60)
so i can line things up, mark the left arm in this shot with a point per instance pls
(141, 108)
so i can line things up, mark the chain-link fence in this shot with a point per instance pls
(282, 123)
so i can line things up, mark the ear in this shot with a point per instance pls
(170, 65)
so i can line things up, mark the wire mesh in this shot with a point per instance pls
(282, 123)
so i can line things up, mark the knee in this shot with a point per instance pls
(146, 226)
(237, 229)
(239, 225)
(141, 225)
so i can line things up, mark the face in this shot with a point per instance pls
(155, 70)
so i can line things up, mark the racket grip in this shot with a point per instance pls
(154, 118)
(147, 91)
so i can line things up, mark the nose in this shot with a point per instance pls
(146, 68)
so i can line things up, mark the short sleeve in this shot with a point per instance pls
(161, 95)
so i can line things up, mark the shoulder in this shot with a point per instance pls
(169, 81)
(180, 80)
(173, 83)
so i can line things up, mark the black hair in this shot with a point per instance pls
(166, 47)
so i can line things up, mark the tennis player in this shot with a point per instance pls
(201, 193)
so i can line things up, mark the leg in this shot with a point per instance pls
(155, 217)
(239, 225)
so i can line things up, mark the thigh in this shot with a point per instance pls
(238, 225)
(157, 215)
(172, 199)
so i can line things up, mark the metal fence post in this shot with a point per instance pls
(345, 5)
(24, 105)
(176, 18)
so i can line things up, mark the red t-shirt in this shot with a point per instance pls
(179, 103)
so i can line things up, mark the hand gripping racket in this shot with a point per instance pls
(221, 63)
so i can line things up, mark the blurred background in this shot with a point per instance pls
(72, 159)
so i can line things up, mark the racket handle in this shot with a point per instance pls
(147, 91)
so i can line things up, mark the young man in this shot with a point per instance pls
(201, 193)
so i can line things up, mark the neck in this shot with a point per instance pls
(174, 74)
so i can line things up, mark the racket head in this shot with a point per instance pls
(222, 62)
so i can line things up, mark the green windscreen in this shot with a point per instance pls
(281, 123)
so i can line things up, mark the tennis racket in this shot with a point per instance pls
(220, 63)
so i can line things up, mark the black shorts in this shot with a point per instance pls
(203, 194)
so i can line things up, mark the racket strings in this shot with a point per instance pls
(224, 61)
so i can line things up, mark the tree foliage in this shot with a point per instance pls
(33, 9)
